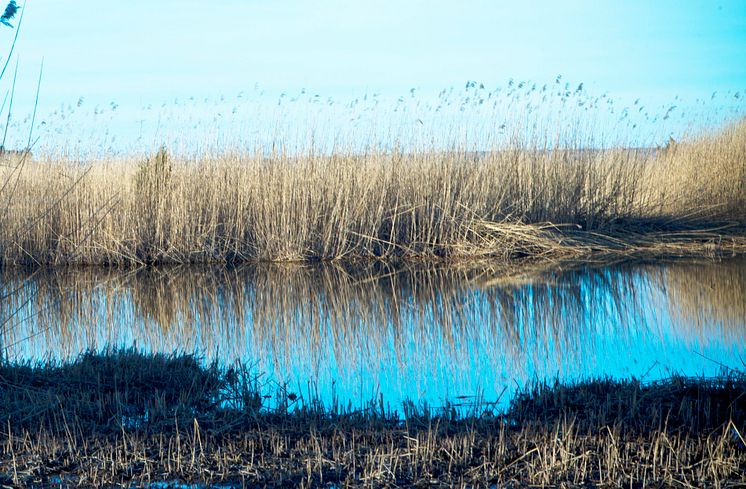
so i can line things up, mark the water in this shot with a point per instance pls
(427, 334)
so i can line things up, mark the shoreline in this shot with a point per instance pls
(543, 245)
(156, 418)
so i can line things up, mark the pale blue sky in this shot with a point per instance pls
(137, 52)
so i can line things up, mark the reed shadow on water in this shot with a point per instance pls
(352, 333)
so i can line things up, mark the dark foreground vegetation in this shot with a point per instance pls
(125, 419)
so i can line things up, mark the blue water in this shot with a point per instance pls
(435, 335)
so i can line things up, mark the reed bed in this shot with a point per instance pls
(87, 424)
(520, 201)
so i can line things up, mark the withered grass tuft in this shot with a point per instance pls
(124, 419)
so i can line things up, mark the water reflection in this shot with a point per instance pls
(422, 333)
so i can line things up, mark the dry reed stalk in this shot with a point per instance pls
(507, 204)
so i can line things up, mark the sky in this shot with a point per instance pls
(133, 54)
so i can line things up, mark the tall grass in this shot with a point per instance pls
(509, 203)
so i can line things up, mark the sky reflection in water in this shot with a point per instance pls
(423, 333)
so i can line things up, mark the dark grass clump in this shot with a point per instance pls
(126, 419)
(103, 393)
(679, 404)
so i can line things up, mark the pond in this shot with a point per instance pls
(436, 334)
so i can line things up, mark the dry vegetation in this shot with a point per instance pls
(688, 198)
(125, 418)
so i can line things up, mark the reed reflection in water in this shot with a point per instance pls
(422, 333)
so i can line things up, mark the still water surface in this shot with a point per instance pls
(432, 334)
